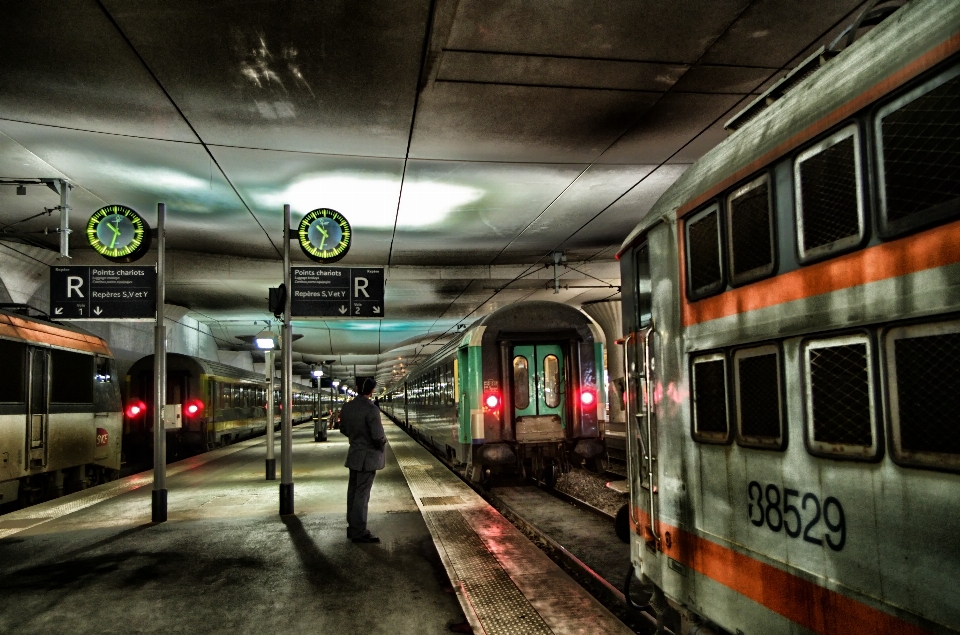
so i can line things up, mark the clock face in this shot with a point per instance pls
(324, 235)
(118, 233)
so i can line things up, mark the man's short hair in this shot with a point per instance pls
(366, 385)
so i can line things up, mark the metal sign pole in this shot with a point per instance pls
(64, 219)
(271, 460)
(286, 414)
(160, 384)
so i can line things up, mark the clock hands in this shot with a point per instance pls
(115, 228)
(324, 232)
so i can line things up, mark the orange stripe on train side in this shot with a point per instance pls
(893, 81)
(807, 603)
(930, 249)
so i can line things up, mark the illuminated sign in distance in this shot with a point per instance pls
(118, 233)
(324, 235)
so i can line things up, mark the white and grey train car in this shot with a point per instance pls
(793, 357)
(60, 412)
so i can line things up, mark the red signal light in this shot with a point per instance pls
(492, 401)
(587, 398)
(194, 408)
(135, 409)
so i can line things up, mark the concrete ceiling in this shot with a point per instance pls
(464, 139)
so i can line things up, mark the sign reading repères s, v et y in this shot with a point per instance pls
(331, 292)
(103, 293)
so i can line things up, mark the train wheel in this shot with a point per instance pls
(550, 474)
(622, 524)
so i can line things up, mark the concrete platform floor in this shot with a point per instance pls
(225, 561)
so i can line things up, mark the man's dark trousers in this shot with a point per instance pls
(358, 496)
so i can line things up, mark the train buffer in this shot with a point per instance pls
(227, 562)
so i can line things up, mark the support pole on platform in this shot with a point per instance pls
(271, 459)
(159, 500)
(286, 412)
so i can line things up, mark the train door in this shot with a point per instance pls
(38, 407)
(639, 376)
(539, 408)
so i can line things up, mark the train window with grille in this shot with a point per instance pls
(923, 375)
(758, 397)
(840, 402)
(750, 231)
(918, 155)
(829, 196)
(71, 377)
(521, 383)
(711, 419)
(12, 371)
(704, 266)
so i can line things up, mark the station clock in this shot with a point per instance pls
(324, 235)
(118, 233)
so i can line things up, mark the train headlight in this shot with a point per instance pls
(492, 400)
(587, 398)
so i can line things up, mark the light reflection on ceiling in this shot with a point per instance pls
(371, 201)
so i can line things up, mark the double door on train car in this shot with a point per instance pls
(38, 406)
(538, 400)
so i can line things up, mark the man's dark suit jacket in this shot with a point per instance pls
(360, 421)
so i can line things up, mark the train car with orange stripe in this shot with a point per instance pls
(792, 305)
(60, 419)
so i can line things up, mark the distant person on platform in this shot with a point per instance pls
(360, 422)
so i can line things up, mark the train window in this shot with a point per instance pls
(521, 383)
(711, 419)
(840, 406)
(758, 396)
(644, 288)
(551, 381)
(750, 233)
(924, 388)
(829, 196)
(71, 377)
(12, 371)
(705, 270)
(918, 155)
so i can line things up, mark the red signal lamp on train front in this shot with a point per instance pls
(491, 400)
(194, 408)
(588, 397)
(135, 409)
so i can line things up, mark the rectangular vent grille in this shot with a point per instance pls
(828, 188)
(921, 152)
(840, 395)
(710, 397)
(703, 244)
(758, 396)
(750, 236)
(928, 393)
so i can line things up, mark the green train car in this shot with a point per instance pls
(518, 392)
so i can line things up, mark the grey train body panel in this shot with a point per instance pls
(892, 560)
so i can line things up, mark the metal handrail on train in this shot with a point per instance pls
(647, 342)
(648, 407)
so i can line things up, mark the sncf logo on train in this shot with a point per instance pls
(103, 437)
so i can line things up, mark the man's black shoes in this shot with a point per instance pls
(369, 538)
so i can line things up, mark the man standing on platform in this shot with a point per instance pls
(360, 422)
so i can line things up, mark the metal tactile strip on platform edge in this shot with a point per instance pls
(498, 603)
(493, 597)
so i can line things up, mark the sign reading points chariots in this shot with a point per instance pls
(120, 235)
(103, 293)
(336, 292)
